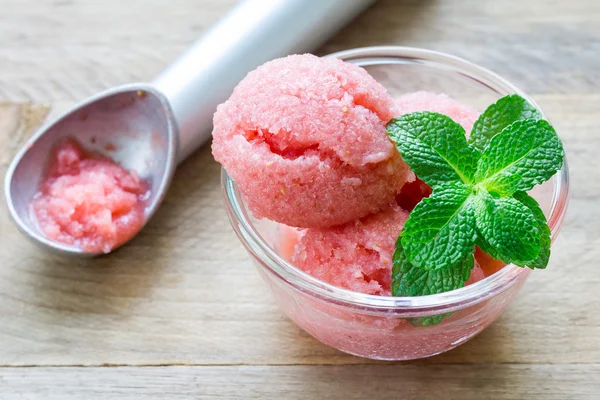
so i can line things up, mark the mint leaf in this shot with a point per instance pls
(524, 154)
(429, 320)
(478, 197)
(440, 231)
(408, 280)
(498, 116)
(541, 261)
(486, 247)
(434, 147)
(509, 227)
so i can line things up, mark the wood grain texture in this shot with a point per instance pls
(53, 50)
(184, 292)
(358, 382)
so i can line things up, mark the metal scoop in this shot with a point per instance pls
(150, 128)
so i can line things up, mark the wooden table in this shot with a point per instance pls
(181, 313)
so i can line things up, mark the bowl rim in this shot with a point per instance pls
(430, 304)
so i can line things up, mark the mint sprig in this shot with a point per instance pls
(509, 227)
(541, 261)
(478, 194)
(498, 116)
(408, 280)
(526, 153)
(441, 228)
(434, 146)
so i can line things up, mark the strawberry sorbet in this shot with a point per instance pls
(89, 201)
(440, 103)
(304, 139)
(356, 256)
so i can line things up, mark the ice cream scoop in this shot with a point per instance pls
(150, 128)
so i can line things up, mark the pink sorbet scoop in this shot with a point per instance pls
(304, 139)
(89, 201)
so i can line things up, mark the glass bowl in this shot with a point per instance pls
(396, 328)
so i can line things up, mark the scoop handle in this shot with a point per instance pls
(254, 32)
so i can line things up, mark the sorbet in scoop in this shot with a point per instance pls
(89, 201)
(304, 139)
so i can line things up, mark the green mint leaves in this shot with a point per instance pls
(441, 228)
(498, 116)
(479, 194)
(541, 261)
(509, 227)
(525, 154)
(435, 148)
(408, 280)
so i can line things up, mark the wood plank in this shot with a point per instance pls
(408, 382)
(68, 50)
(184, 294)
(549, 48)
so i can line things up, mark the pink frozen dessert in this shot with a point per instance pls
(304, 138)
(356, 256)
(440, 103)
(89, 201)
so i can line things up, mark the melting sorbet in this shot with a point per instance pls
(89, 201)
